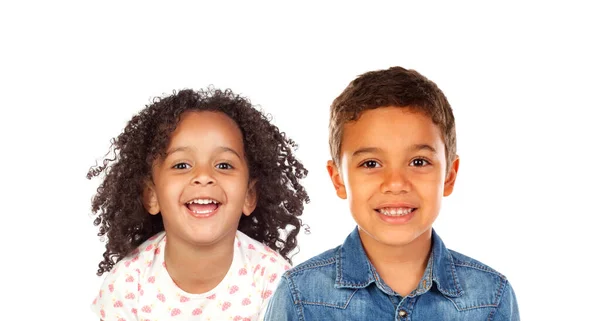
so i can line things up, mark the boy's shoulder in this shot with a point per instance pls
(321, 261)
(455, 274)
(316, 272)
(344, 278)
(476, 277)
(465, 262)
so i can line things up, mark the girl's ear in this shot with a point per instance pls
(150, 198)
(251, 199)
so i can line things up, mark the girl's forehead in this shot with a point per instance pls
(207, 128)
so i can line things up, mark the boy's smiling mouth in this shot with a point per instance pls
(395, 211)
(202, 207)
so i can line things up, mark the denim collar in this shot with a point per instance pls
(354, 270)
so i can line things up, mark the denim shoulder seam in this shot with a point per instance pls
(478, 267)
(311, 265)
(499, 294)
(297, 301)
(332, 305)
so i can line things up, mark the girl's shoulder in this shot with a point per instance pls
(141, 261)
(124, 283)
(258, 252)
(146, 254)
(259, 259)
(256, 271)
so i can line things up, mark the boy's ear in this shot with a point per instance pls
(150, 198)
(451, 177)
(337, 180)
(251, 199)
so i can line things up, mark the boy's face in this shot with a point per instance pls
(393, 172)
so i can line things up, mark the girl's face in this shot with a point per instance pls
(201, 188)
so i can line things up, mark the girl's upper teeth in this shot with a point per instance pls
(203, 201)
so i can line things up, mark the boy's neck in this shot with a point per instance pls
(400, 267)
(198, 270)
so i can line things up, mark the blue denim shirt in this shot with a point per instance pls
(342, 284)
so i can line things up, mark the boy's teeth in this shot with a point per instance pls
(391, 211)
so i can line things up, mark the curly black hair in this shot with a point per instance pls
(118, 203)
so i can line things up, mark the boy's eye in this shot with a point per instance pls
(181, 166)
(419, 162)
(224, 166)
(370, 164)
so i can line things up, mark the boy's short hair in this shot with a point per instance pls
(398, 87)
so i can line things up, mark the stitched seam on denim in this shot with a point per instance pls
(338, 266)
(322, 304)
(454, 277)
(381, 285)
(494, 305)
(479, 267)
(410, 307)
(362, 285)
(428, 278)
(332, 305)
(350, 298)
(454, 303)
(478, 307)
(297, 302)
(457, 291)
(491, 315)
(350, 284)
(310, 266)
(470, 307)
(502, 289)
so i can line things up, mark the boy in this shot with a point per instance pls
(393, 147)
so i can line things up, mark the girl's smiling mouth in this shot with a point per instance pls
(202, 207)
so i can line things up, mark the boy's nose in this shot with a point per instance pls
(395, 182)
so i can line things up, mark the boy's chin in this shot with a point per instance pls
(393, 236)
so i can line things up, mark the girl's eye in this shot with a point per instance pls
(224, 166)
(181, 166)
(370, 164)
(419, 162)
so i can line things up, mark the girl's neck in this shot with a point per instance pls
(198, 269)
(401, 267)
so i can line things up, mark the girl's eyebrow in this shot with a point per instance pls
(178, 149)
(187, 149)
(227, 149)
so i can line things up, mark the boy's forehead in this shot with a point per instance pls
(390, 127)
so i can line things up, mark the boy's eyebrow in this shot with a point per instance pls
(373, 150)
(366, 150)
(418, 147)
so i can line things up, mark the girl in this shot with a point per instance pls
(195, 206)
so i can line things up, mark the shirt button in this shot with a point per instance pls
(403, 314)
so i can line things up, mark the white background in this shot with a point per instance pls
(522, 79)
